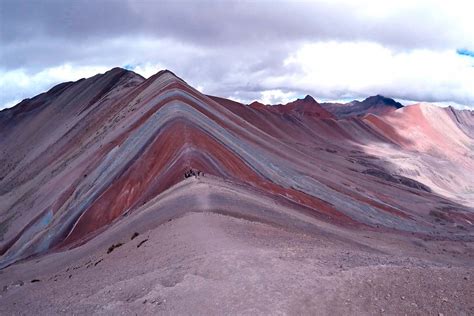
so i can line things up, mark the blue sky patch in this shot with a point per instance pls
(465, 52)
(129, 67)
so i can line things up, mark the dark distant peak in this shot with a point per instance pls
(309, 98)
(256, 103)
(378, 100)
(103, 82)
(377, 104)
(308, 106)
(113, 76)
(164, 71)
(118, 71)
(114, 72)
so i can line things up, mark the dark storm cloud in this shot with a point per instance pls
(31, 28)
(229, 48)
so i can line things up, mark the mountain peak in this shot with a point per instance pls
(165, 72)
(377, 104)
(380, 100)
(309, 106)
(256, 104)
(309, 98)
(119, 71)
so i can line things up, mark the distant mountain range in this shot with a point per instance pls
(374, 105)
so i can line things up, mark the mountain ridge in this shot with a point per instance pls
(377, 104)
(101, 147)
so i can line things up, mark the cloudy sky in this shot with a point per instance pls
(271, 51)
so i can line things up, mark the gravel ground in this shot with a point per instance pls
(205, 263)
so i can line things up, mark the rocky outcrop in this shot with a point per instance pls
(378, 105)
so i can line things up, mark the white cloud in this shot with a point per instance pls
(277, 97)
(336, 70)
(326, 70)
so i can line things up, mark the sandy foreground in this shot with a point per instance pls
(206, 263)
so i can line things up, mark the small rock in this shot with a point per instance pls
(142, 242)
(111, 248)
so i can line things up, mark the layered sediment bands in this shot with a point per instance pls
(432, 148)
(116, 145)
